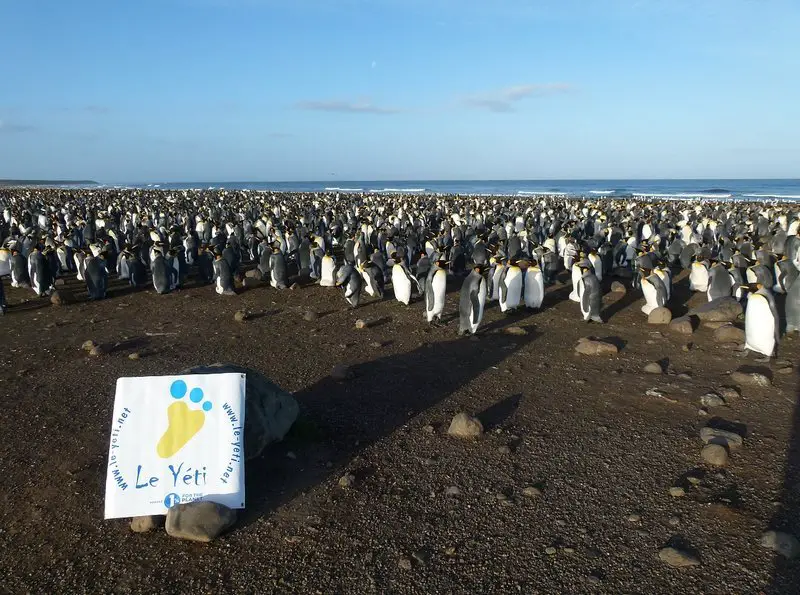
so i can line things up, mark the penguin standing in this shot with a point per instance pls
(576, 273)
(698, 276)
(761, 322)
(655, 294)
(39, 272)
(402, 281)
(591, 294)
(792, 307)
(96, 278)
(510, 287)
(373, 279)
(123, 265)
(328, 271)
(278, 276)
(495, 273)
(534, 287)
(352, 281)
(19, 270)
(435, 290)
(137, 273)
(223, 276)
(720, 283)
(205, 265)
(421, 271)
(79, 256)
(471, 301)
(162, 273)
(785, 274)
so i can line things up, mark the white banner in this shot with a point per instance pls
(175, 439)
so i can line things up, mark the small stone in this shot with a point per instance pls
(674, 521)
(504, 450)
(421, 556)
(428, 429)
(785, 370)
(240, 316)
(617, 287)
(347, 481)
(134, 356)
(634, 518)
(404, 563)
(516, 331)
(660, 315)
(677, 558)
(59, 283)
(531, 492)
(60, 297)
(550, 551)
(97, 351)
(595, 347)
(687, 347)
(712, 400)
(291, 455)
(294, 286)
(702, 412)
(724, 438)
(727, 333)
(465, 426)
(750, 378)
(715, 454)
(782, 543)
(653, 368)
(145, 524)
(450, 551)
(376, 345)
(88, 345)
(694, 480)
(682, 325)
(684, 376)
(360, 324)
(342, 372)
(199, 521)
(310, 316)
(677, 492)
(452, 491)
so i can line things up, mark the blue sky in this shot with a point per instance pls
(224, 90)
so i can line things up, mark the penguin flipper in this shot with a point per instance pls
(476, 306)
(586, 302)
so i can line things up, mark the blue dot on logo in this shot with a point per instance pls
(178, 389)
(207, 406)
(172, 499)
(196, 395)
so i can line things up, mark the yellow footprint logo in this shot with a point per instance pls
(183, 423)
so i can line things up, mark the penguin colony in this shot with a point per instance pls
(505, 249)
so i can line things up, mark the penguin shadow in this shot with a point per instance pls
(786, 573)
(679, 542)
(340, 419)
(625, 301)
(134, 344)
(29, 305)
(499, 413)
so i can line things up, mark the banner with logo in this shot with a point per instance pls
(175, 439)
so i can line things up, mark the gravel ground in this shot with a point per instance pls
(567, 491)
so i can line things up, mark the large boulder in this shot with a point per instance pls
(589, 346)
(723, 309)
(199, 521)
(728, 333)
(660, 315)
(684, 325)
(269, 410)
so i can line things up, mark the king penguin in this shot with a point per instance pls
(96, 278)
(373, 279)
(223, 276)
(328, 271)
(278, 277)
(510, 287)
(792, 306)
(39, 272)
(352, 281)
(785, 274)
(471, 301)
(698, 276)
(19, 270)
(534, 287)
(720, 282)
(591, 294)
(435, 290)
(402, 281)
(655, 294)
(162, 273)
(761, 322)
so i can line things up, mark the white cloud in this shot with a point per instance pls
(364, 107)
(503, 101)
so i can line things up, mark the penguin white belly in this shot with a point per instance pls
(698, 277)
(778, 287)
(534, 288)
(650, 297)
(401, 285)
(759, 326)
(751, 277)
(368, 287)
(327, 278)
(574, 295)
(586, 312)
(496, 284)
(513, 282)
(439, 287)
(667, 279)
(219, 288)
(5, 263)
(597, 264)
(475, 321)
(273, 280)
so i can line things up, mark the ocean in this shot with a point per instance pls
(787, 189)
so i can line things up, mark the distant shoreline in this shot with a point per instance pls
(46, 183)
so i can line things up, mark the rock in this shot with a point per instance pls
(694, 480)
(715, 325)
(342, 372)
(595, 347)
(785, 370)
(617, 287)
(677, 558)
(241, 315)
(88, 345)
(715, 454)
(550, 551)
(97, 351)
(723, 309)
(452, 491)
(531, 492)
(376, 344)
(516, 331)
(729, 334)
(294, 286)
(660, 315)
(347, 481)
(677, 492)
(683, 325)
(134, 356)
(310, 316)
(61, 297)
(750, 378)
(782, 543)
(465, 426)
(404, 563)
(269, 410)
(145, 524)
(687, 348)
(728, 393)
(254, 274)
(723, 438)
(674, 521)
(199, 521)
(361, 324)
(428, 429)
(712, 400)
(634, 518)
(504, 450)
(653, 368)
(59, 283)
